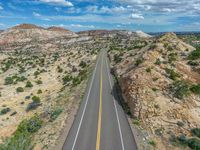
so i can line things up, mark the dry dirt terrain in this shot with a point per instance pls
(42, 80)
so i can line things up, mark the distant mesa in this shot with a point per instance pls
(29, 32)
(27, 26)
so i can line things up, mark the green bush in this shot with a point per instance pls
(196, 132)
(29, 84)
(172, 57)
(139, 61)
(195, 89)
(8, 80)
(66, 79)
(76, 81)
(180, 89)
(36, 73)
(38, 82)
(60, 70)
(4, 111)
(55, 114)
(172, 74)
(21, 140)
(19, 89)
(148, 69)
(194, 143)
(193, 63)
(153, 143)
(117, 58)
(194, 54)
(82, 64)
(36, 99)
(158, 62)
(39, 91)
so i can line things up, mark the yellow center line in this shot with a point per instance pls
(100, 114)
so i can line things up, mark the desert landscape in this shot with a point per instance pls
(44, 73)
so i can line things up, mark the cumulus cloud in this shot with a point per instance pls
(58, 2)
(36, 14)
(137, 16)
(1, 8)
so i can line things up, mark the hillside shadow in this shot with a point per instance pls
(117, 94)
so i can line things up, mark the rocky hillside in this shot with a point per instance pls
(41, 84)
(161, 85)
(27, 32)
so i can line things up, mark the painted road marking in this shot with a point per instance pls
(85, 106)
(120, 132)
(98, 142)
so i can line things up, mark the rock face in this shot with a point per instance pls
(28, 32)
(152, 87)
(142, 34)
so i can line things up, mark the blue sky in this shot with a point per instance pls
(77, 15)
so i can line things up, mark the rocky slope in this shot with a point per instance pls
(161, 85)
(28, 32)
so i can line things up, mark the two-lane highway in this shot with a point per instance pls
(100, 123)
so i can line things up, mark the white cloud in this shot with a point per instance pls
(82, 26)
(58, 2)
(137, 16)
(1, 24)
(36, 14)
(1, 8)
(106, 9)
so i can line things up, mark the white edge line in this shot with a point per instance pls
(85, 105)
(120, 132)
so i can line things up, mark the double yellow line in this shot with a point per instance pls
(100, 114)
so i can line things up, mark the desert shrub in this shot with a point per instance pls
(148, 69)
(152, 143)
(55, 113)
(32, 106)
(137, 122)
(182, 139)
(21, 139)
(4, 111)
(38, 82)
(172, 57)
(195, 89)
(21, 79)
(29, 84)
(117, 58)
(66, 79)
(194, 143)
(19, 89)
(193, 63)
(82, 64)
(76, 81)
(172, 74)
(60, 70)
(194, 54)
(36, 99)
(32, 125)
(158, 62)
(39, 91)
(196, 132)
(8, 80)
(36, 73)
(180, 89)
(139, 61)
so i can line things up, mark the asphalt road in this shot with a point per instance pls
(100, 123)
